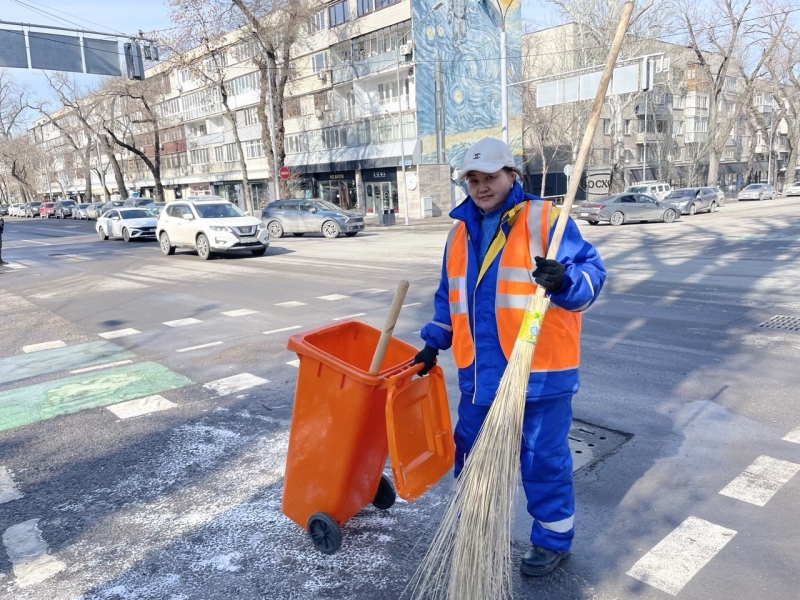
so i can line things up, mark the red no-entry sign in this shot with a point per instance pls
(284, 172)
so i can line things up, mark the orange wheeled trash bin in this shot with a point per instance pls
(346, 421)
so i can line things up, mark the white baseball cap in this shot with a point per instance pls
(487, 156)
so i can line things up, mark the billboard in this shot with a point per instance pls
(53, 52)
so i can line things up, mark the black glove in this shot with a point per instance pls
(427, 356)
(549, 274)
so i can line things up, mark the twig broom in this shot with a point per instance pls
(470, 555)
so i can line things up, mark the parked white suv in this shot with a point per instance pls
(654, 189)
(209, 224)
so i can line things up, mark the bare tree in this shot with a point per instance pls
(15, 147)
(785, 73)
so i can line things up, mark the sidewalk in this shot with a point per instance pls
(443, 223)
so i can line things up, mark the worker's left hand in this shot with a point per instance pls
(549, 274)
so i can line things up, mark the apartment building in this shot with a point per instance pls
(379, 89)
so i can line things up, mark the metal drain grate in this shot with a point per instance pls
(782, 322)
(591, 443)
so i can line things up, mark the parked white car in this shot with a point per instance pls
(794, 189)
(210, 224)
(15, 210)
(79, 212)
(757, 191)
(654, 189)
(126, 223)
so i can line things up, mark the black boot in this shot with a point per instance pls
(540, 561)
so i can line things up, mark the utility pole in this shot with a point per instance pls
(275, 167)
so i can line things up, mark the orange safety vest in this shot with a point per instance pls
(558, 347)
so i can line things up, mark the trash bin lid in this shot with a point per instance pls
(421, 447)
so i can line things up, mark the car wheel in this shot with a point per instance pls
(351, 233)
(300, 234)
(594, 222)
(330, 229)
(102, 234)
(275, 229)
(260, 251)
(693, 210)
(617, 218)
(203, 247)
(126, 235)
(713, 207)
(669, 216)
(166, 248)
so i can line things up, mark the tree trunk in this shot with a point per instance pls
(617, 179)
(87, 175)
(263, 116)
(248, 207)
(112, 158)
(544, 172)
(713, 168)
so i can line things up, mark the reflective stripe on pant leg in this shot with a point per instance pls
(547, 472)
(470, 419)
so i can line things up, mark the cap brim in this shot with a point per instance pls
(481, 167)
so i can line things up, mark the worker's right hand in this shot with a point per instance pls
(427, 356)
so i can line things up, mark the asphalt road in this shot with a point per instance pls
(693, 396)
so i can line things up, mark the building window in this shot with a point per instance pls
(606, 156)
(677, 102)
(249, 116)
(199, 156)
(627, 124)
(197, 130)
(296, 143)
(691, 72)
(730, 153)
(254, 149)
(338, 13)
(243, 84)
(184, 76)
(317, 22)
(334, 138)
(607, 126)
(677, 127)
(384, 3)
(322, 101)
(365, 7)
(226, 153)
(318, 62)
(291, 108)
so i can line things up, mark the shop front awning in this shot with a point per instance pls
(373, 156)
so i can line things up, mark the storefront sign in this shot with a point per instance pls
(341, 176)
(379, 175)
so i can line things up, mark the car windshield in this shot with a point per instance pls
(135, 214)
(48, 204)
(35, 204)
(755, 186)
(325, 205)
(83, 205)
(639, 189)
(68, 203)
(218, 211)
(681, 193)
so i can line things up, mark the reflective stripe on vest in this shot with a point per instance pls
(558, 348)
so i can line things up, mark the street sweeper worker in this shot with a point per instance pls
(493, 261)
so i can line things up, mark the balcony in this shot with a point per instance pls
(357, 69)
(653, 109)
(651, 137)
(695, 137)
(347, 114)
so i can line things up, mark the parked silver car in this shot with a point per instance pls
(694, 200)
(299, 216)
(794, 189)
(623, 208)
(80, 212)
(757, 191)
(94, 210)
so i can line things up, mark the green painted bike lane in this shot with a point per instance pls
(47, 362)
(29, 404)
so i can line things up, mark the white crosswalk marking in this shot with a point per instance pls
(294, 363)
(235, 383)
(43, 346)
(15, 266)
(349, 316)
(116, 363)
(293, 327)
(793, 436)
(8, 491)
(182, 322)
(141, 406)
(110, 335)
(27, 551)
(200, 347)
(242, 312)
(677, 558)
(761, 480)
(332, 297)
(373, 291)
(292, 304)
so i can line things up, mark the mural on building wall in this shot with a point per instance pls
(463, 36)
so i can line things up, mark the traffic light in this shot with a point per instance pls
(133, 61)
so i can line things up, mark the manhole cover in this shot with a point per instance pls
(592, 443)
(782, 322)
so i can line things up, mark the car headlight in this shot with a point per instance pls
(219, 228)
(344, 218)
(261, 227)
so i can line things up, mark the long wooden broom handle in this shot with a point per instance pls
(388, 328)
(588, 135)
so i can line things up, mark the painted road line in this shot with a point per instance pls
(793, 437)
(761, 480)
(141, 406)
(294, 363)
(110, 335)
(292, 304)
(43, 346)
(349, 316)
(242, 312)
(677, 558)
(46, 295)
(235, 383)
(372, 291)
(200, 347)
(332, 297)
(15, 266)
(293, 327)
(46, 362)
(8, 491)
(117, 363)
(28, 553)
(37, 241)
(412, 304)
(29, 404)
(182, 322)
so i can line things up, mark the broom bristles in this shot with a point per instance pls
(470, 555)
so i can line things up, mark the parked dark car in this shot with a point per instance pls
(310, 216)
(31, 210)
(94, 210)
(155, 207)
(623, 208)
(3, 210)
(138, 202)
(64, 208)
(694, 200)
(111, 204)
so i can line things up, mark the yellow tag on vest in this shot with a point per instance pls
(533, 320)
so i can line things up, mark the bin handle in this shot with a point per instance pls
(388, 328)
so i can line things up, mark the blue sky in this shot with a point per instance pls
(129, 16)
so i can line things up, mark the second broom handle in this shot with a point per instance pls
(388, 328)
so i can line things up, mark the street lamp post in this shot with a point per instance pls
(436, 6)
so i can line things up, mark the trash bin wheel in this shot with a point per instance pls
(325, 533)
(385, 496)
